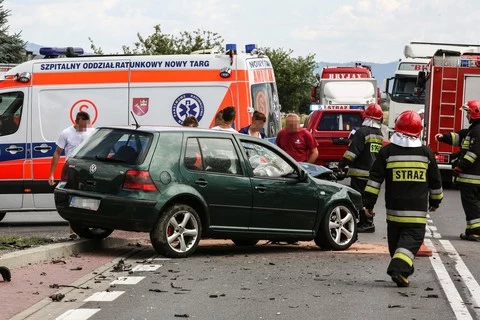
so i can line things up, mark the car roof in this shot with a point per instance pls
(152, 129)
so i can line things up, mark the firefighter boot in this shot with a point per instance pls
(367, 226)
(400, 280)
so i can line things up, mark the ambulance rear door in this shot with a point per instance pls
(264, 95)
(62, 88)
(13, 147)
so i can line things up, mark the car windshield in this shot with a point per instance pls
(116, 146)
(340, 122)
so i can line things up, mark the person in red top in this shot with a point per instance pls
(296, 141)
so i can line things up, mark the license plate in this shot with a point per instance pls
(332, 165)
(84, 203)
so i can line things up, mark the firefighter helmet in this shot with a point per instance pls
(409, 122)
(472, 106)
(374, 111)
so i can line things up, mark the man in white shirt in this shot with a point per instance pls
(69, 139)
(228, 116)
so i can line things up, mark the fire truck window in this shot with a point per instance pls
(329, 122)
(11, 104)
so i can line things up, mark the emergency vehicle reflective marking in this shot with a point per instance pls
(86, 106)
(417, 175)
(375, 147)
(456, 302)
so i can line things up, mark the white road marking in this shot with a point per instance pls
(453, 297)
(146, 267)
(127, 280)
(465, 274)
(77, 314)
(104, 296)
(431, 232)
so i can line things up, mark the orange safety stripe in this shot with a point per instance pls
(184, 76)
(28, 169)
(80, 77)
(122, 76)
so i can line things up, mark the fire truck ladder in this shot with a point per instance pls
(448, 94)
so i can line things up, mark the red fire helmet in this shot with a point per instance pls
(473, 106)
(374, 111)
(409, 122)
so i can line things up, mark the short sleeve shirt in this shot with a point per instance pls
(70, 138)
(296, 144)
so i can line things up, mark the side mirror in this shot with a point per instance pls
(421, 79)
(303, 175)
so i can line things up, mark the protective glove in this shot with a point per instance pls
(369, 213)
(456, 171)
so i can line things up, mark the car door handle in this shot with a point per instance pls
(260, 188)
(201, 182)
(40, 148)
(14, 149)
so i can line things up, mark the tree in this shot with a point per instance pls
(12, 47)
(185, 43)
(294, 78)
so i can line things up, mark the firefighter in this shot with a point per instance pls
(364, 146)
(413, 185)
(466, 169)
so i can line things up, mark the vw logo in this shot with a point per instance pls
(93, 168)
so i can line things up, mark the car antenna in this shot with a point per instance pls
(136, 122)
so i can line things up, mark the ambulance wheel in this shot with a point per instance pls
(90, 233)
(338, 229)
(2, 215)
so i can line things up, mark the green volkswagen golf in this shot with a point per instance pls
(183, 184)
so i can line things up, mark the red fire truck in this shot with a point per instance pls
(451, 79)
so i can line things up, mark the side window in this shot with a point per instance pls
(351, 121)
(219, 155)
(266, 162)
(11, 105)
(193, 156)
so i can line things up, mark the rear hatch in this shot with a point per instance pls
(111, 162)
(332, 132)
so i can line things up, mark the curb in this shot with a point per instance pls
(27, 257)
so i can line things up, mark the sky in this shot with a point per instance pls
(333, 30)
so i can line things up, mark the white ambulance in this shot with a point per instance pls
(40, 98)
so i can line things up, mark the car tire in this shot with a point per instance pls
(2, 215)
(177, 232)
(338, 229)
(90, 233)
(245, 242)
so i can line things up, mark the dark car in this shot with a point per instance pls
(183, 184)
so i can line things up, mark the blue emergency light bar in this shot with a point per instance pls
(231, 47)
(250, 47)
(49, 51)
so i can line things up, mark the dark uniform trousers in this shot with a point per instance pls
(413, 183)
(468, 179)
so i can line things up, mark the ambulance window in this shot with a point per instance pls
(11, 104)
(265, 100)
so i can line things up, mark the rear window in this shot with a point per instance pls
(115, 145)
(340, 122)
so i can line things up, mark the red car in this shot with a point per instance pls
(331, 128)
